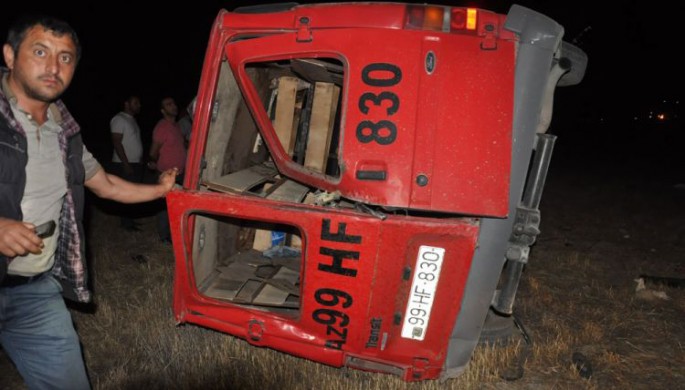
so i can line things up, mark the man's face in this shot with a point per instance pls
(43, 66)
(134, 105)
(169, 107)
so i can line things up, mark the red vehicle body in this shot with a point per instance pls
(354, 176)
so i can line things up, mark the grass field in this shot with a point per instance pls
(601, 229)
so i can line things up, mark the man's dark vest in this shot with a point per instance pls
(13, 159)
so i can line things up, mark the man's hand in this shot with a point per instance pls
(168, 178)
(18, 238)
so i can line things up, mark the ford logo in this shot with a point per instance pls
(430, 62)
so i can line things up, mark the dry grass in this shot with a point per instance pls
(577, 295)
(132, 341)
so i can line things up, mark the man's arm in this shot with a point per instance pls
(154, 154)
(118, 127)
(117, 139)
(112, 187)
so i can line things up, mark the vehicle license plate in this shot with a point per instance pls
(422, 293)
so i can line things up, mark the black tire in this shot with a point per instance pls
(497, 329)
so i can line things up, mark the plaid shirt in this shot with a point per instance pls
(70, 265)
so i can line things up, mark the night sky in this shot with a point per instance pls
(158, 51)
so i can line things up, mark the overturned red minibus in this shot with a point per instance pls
(363, 179)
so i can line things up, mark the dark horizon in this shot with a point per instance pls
(159, 52)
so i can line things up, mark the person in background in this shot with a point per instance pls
(128, 150)
(186, 122)
(168, 151)
(44, 167)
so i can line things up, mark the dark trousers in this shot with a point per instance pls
(128, 213)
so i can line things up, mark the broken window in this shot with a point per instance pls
(256, 262)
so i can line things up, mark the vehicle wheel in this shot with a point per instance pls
(497, 329)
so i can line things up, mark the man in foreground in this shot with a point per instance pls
(43, 168)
